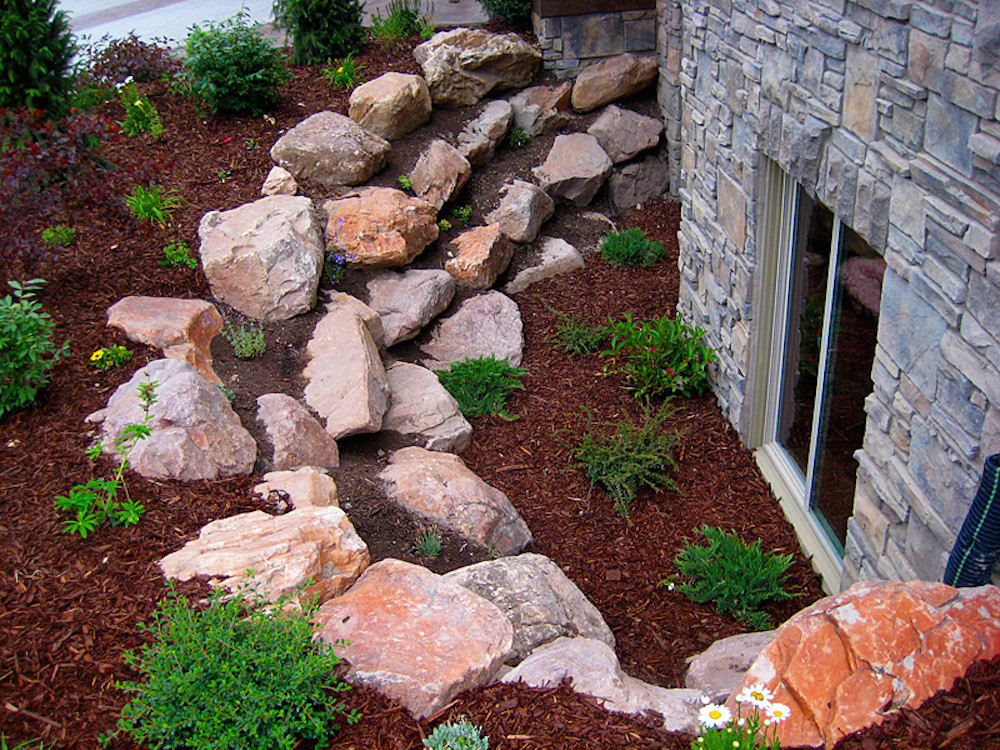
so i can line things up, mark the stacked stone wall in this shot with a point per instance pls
(886, 111)
(570, 43)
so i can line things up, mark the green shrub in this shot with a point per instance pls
(429, 543)
(234, 674)
(462, 213)
(405, 17)
(507, 10)
(343, 73)
(630, 458)
(736, 576)
(232, 68)
(574, 337)
(457, 735)
(247, 340)
(152, 205)
(481, 386)
(59, 235)
(631, 248)
(26, 349)
(177, 254)
(140, 114)
(661, 356)
(321, 29)
(36, 48)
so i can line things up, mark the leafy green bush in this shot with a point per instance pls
(629, 459)
(321, 29)
(234, 674)
(507, 10)
(736, 576)
(247, 340)
(405, 17)
(232, 68)
(36, 48)
(457, 735)
(631, 248)
(26, 349)
(481, 386)
(110, 356)
(661, 356)
(152, 205)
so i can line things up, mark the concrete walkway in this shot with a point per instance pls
(172, 18)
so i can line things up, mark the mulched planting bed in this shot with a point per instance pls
(70, 608)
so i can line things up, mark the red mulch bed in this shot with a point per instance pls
(70, 608)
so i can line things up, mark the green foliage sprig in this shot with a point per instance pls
(177, 254)
(481, 385)
(36, 49)
(405, 182)
(140, 114)
(27, 353)
(343, 73)
(247, 339)
(404, 17)
(321, 29)
(153, 204)
(59, 235)
(97, 501)
(239, 673)
(631, 247)
(462, 213)
(574, 337)
(457, 735)
(737, 577)
(429, 542)
(517, 137)
(632, 457)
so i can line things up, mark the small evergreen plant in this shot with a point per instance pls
(321, 29)
(507, 10)
(36, 49)
(457, 735)
(481, 386)
(631, 248)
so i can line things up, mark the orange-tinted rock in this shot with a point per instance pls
(848, 660)
(479, 256)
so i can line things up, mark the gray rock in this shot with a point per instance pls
(574, 169)
(557, 256)
(478, 140)
(331, 149)
(263, 258)
(371, 317)
(541, 109)
(717, 671)
(636, 183)
(623, 133)
(523, 209)
(279, 181)
(422, 410)
(440, 173)
(391, 105)
(408, 301)
(485, 325)
(297, 436)
(541, 603)
(478, 256)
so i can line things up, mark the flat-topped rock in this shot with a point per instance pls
(440, 487)
(440, 173)
(478, 256)
(408, 301)
(307, 487)
(612, 79)
(574, 169)
(523, 209)
(297, 436)
(485, 325)
(415, 637)
(422, 411)
(264, 258)
(718, 670)
(373, 320)
(391, 105)
(623, 133)
(541, 109)
(182, 328)
(331, 149)
(317, 544)
(557, 256)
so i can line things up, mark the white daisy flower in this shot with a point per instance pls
(778, 712)
(714, 716)
(756, 695)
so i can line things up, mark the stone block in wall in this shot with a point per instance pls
(947, 132)
(945, 481)
(925, 63)
(903, 312)
(985, 52)
(990, 440)
(907, 127)
(593, 35)
(975, 366)
(953, 433)
(860, 89)
(926, 552)
(640, 35)
(732, 211)
(965, 93)
(984, 305)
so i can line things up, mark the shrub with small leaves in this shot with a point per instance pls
(457, 735)
(177, 254)
(444, 225)
(36, 49)
(462, 213)
(507, 10)
(631, 248)
(109, 61)
(429, 543)
(737, 577)
(321, 29)
(153, 204)
(343, 73)
(481, 386)
(405, 182)
(240, 672)
(59, 235)
(247, 340)
(110, 356)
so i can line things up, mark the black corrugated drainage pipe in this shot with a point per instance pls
(977, 548)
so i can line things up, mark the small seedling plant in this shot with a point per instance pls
(343, 73)
(735, 576)
(98, 500)
(631, 247)
(178, 254)
(404, 17)
(247, 340)
(481, 385)
(753, 728)
(463, 213)
(59, 235)
(405, 182)
(575, 337)
(457, 735)
(429, 543)
(153, 204)
(108, 357)
(517, 137)
(140, 114)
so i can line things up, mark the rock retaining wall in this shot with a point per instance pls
(573, 36)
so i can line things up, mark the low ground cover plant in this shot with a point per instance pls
(429, 543)
(735, 576)
(152, 204)
(457, 735)
(59, 235)
(629, 458)
(631, 247)
(108, 357)
(517, 137)
(574, 337)
(481, 385)
(238, 673)
(247, 339)
(321, 29)
(343, 73)
(177, 254)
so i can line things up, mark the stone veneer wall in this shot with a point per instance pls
(887, 112)
(571, 42)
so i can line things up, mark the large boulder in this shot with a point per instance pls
(633, 184)
(391, 105)
(523, 209)
(331, 149)
(595, 671)
(182, 328)
(308, 487)
(464, 65)
(718, 670)
(408, 301)
(623, 133)
(541, 109)
(297, 436)
(440, 487)
(574, 169)
(373, 321)
(608, 80)
(479, 138)
(264, 258)
(557, 256)
(541, 603)
(194, 432)
(478, 256)
(345, 378)
(422, 410)
(316, 545)
(379, 227)
(849, 660)
(482, 326)
(414, 637)
(440, 173)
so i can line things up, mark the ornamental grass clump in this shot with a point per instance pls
(481, 386)
(631, 247)
(737, 577)
(753, 728)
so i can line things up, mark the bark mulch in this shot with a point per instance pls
(70, 608)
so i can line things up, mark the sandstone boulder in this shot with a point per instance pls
(440, 173)
(541, 109)
(297, 436)
(557, 256)
(478, 140)
(463, 65)
(608, 80)
(478, 256)
(194, 432)
(331, 149)
(182, 328)
(633, 184)
(373, 321)
(439, 487)
(307, 487)
(541, 603)
(595, 671)
(391, 105)
(849, 660)
(482, 326)
(415, 637)
(408, 301)
(718, 671)
(422, 410)
(264, 258)
(522, 211)
(279, 181)
(381, 227)
(574, 169)
(623, 133)
(283, 552)
(345, 379)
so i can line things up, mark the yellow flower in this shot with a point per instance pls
(97, 356)
(340, 69)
